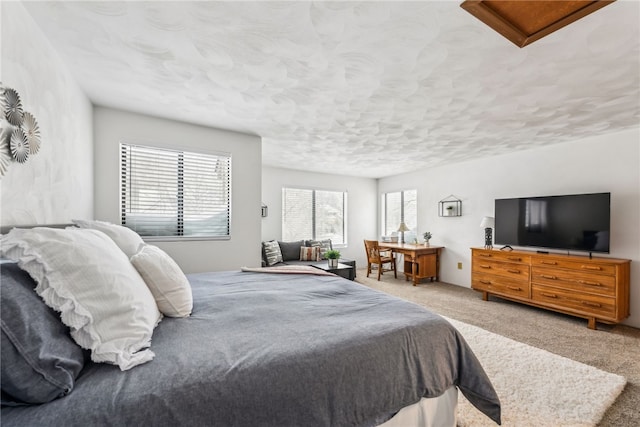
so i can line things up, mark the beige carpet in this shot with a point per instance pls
(614, 349)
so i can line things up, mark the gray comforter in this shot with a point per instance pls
(277, 350)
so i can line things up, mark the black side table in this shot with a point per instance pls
(342, 270)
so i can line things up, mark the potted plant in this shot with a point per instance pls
(427, 236)
(333, 256)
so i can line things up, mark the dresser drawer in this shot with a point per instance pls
(578, 281)
(575, 265)
(504, 269)
(501, 256)
(500, 285)
(586, 304)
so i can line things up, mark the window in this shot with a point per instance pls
(175, 194)
(398, 207)
(314, 214)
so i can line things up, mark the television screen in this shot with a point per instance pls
(578, 222)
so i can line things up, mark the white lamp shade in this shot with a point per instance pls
(488, 222)
(403, 227)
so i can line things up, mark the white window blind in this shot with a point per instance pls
(314, 214)
(397, 207)
(175, 194)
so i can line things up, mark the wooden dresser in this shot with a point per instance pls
(596, 289)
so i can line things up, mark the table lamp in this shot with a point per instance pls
(488, 222)
(402, 228)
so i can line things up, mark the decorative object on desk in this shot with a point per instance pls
(450, 206)
(427, 236)
(401, 229)
(264, 211)
(332, 256)
(488, 222)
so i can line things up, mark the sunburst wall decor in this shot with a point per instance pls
(19, 130)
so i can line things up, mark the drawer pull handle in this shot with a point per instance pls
(485, 266)
(592, 304)
(514, 271)
(584, 282)
(514, 288)
(546, 276)
(548, 262)
(485, 255)
(512, 258)
(485, 282)
(549, 295)
(591, 267)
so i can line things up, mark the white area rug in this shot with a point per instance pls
(537, 388)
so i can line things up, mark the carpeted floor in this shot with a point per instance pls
(613, 349)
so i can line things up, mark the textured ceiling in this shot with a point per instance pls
(368, 89)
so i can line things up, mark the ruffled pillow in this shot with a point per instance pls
(100, 296)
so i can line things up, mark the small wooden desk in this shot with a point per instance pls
(420, 261)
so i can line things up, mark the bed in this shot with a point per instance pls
(269, 349)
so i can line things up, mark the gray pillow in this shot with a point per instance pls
(40, 361)
(290, 250)
(324, 245)
(272, 252)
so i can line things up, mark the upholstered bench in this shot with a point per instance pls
(275, 252)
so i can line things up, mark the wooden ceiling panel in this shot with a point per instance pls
(523, 21)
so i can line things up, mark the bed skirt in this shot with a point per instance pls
(428, 412)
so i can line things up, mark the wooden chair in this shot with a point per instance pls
(375, 257)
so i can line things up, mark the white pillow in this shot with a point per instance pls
(165, 279)
(127, 240)
(83, 275)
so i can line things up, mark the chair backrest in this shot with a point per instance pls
(373, 251)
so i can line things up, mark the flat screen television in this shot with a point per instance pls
(578, 222)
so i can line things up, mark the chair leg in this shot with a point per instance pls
(395, 270)
(379, 271)
(368, 268)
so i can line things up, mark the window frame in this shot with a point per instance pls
(384, 210)
(180, 179)
(313, 213)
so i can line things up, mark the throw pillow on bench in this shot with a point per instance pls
(274, 252)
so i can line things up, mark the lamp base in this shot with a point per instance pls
(488, 238)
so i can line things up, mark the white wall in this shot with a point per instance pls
(361, 205)
(113, 126)
(57, 183)
(608, 163)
